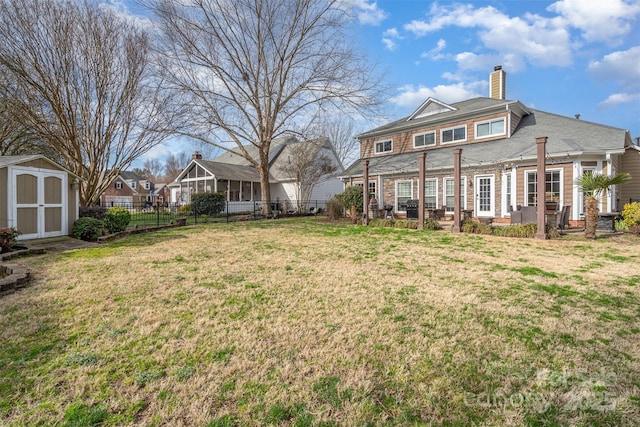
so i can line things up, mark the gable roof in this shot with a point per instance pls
(448, 113)
(16, 160)
(567, 137)
(232, 166)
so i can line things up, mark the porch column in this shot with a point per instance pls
(215, 184)
(421, 177)
(240, 192)
(251, 189)
(457, 197)
(541, 186)
(228, 190)
(365, 192)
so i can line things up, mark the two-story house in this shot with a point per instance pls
(497, 138)
(129, 190)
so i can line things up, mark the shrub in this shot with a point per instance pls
(635, 229)
(334, 209)
(97, 212)
(431, 224)
(207, 203)
(631, 214)
(184, 209)
(8, 239)
(352, 197)
(117, 219)
(87, 228)
(475, 228)
(524, 230)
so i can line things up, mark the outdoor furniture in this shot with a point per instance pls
(563, 218)
(388, 211)
(524, 215)
(607, 221)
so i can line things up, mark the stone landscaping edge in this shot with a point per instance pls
(15, 276)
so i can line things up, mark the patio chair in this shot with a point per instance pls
(563, 217)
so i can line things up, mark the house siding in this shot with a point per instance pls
(403, 141)
(630, 164)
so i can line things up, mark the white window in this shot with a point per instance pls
(384, 146)
(372, 188)
(404, 192)
(118, 185)
(426, 139)
(507, 193)
(490, 128)
(553, 187)
(147, 185)
(449, 193)
(133, 184)
(431, 193)
(484, 195)
(456, 134)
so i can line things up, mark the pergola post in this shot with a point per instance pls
(421, 177)
(457, 197)
(541, 183)
(365, 192)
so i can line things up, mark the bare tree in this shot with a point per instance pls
(341, 132)
(309, 163)
(83, 73)
(174, 164)
(153, 169)
(246, 72)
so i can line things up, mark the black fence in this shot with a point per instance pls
(155, 215)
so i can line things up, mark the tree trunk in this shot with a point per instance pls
(265, 191)
(591, 217)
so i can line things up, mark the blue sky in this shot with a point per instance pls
(566, 57)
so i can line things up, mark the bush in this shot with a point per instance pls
(97, 212)
(352, 196)
(87, 228)
(117, 219)
(475, 228)
(635, 229)
(432, 224)
(334, 209)
(631, 214)
(525, 230)
(8, 238)
(207, 203)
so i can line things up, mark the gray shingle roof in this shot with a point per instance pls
(231, 171)
(566, 137)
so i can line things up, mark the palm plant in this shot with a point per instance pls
(594, 185)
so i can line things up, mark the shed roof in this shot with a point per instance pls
(17, 160)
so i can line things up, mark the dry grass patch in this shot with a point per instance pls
(297, 322)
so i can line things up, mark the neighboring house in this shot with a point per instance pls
(234, 176)
(498, 142)
(38, 197)
(129, 189)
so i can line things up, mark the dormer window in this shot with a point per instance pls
(384, 146)
(147, 185)
(118, 185)
(490, 128)
(456, 134)
(133, 184)
(426, 139)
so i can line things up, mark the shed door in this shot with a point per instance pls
(39, 203)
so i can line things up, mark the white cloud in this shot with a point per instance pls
(436, 54)
(411, 96)
(598, 20)
(389, 38)
(621, 66)
(368, 12)
(620, 98)
(531, 38)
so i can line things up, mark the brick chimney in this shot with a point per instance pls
(497, 83)
(196, 156)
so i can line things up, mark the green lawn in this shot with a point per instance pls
(304, 323)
